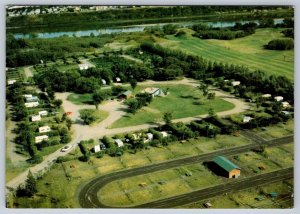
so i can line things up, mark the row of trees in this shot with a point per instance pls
(238, 31)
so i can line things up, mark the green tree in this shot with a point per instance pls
(98, 97)
(69, 123)
(57, 103)
(87, 116)
(211, 112)
(211, 96)
(30, 187)
(168, 117)
(133, 84)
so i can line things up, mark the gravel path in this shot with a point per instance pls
(116, 111)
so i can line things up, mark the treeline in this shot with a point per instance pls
(62, 19)
(20, 52)
(238, 31)
(198, 68)
(280, 44)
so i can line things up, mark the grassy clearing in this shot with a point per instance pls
(185, 103)
(246, 51)
(277, 131)
(99, 115)
(80, 99)
(220, 142)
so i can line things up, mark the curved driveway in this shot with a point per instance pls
(116, 111)
(88, 195)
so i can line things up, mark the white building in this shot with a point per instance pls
(44, 129)
(247, 119)
(32, 104)
(153, 91)
(39, 139)
(35, 118)
(266, 95)
(83, 66)
(103, 81)
(27, 95)
(119, 142)
(164, 134)
(11, 82)
(118, 79)
(278, 98)
(235, 83)
(97, 148)
(149, 137)
(32, 99)
(43, 113)
(285, 104)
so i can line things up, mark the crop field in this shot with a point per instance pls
(248, 198)
(187, 101)
(246, 51)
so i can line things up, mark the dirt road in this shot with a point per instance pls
(116, 111)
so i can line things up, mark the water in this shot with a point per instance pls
(128, 29)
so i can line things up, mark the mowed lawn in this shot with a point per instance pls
(182, 100)
(246, 51)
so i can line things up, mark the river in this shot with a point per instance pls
(128, 29)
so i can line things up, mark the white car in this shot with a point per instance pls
(66, 148)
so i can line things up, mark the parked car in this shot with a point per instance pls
(102, 146)
(66, 148)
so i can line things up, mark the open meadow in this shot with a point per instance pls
(246, 51)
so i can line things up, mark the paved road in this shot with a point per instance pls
(88, 195)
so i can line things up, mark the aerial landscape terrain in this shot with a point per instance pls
(149, 107)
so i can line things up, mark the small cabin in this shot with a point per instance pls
(226, 167)
(35, 118)
(43, 113)
(44, 129)
(278, 98)
(83, 66)
(31, 104)
(41, 138)
(119, 142)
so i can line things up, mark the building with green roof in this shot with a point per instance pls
(226, 167)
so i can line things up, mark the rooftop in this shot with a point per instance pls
(225, 163)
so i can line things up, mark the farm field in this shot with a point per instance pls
(248, 198)
(246, 51)
(187, 101)
(150, 187)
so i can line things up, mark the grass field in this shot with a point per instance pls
(278, 130)
(185, 103)
(246, 51)
(161, 184)
(149, 187)
(247, 198)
